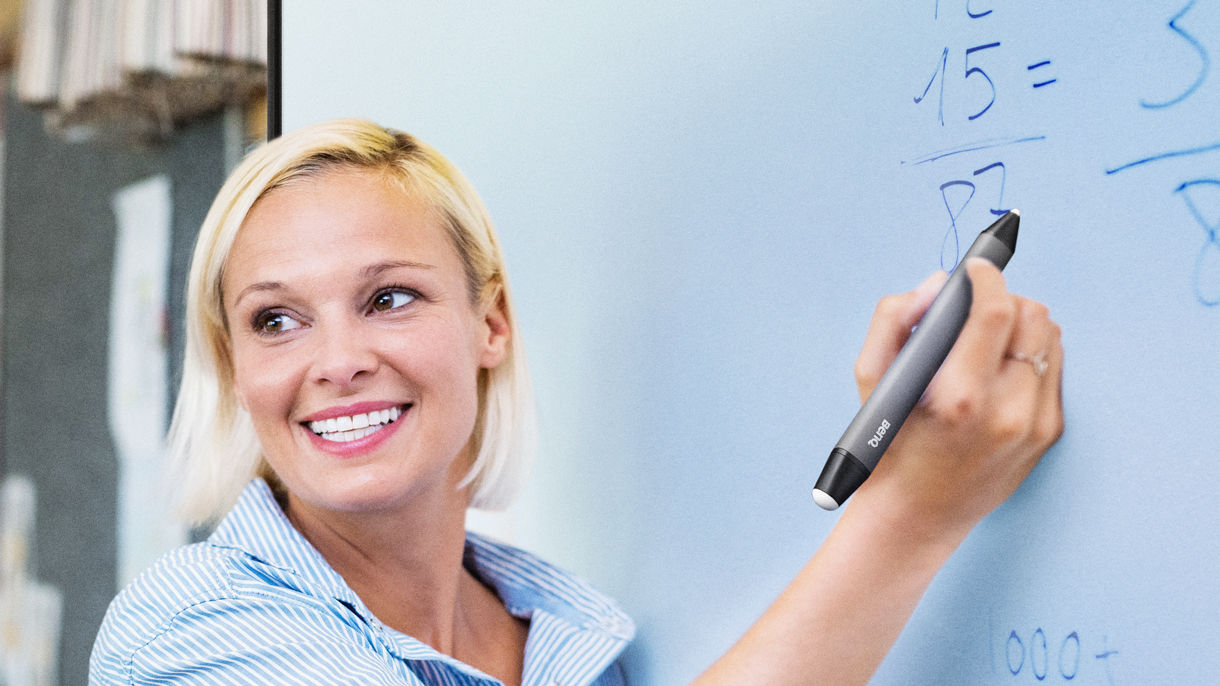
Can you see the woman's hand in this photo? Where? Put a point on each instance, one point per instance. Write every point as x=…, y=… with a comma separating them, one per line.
x=985, y=420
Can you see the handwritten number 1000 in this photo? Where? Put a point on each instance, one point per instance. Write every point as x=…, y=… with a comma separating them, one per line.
x=940, y=72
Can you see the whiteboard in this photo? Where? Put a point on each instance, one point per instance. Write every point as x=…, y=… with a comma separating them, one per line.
x=702, y=202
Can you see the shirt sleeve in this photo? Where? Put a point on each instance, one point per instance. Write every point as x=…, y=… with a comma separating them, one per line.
x=255, y=641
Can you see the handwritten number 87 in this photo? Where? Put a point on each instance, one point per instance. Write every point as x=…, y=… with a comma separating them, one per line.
x=970, y=71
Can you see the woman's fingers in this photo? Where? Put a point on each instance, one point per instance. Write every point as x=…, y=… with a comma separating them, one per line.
x=1012, y=345
x=1019, y=408
x=990, y=413
x=1002, y=375
x=890, y=328
x=988, y=331
x=961, y=392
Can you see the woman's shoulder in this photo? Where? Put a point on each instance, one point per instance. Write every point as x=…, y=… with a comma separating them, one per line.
x=182, y=578
x=202, y=602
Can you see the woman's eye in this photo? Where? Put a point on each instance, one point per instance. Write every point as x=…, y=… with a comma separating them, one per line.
x=389, y=300
x=274, y=322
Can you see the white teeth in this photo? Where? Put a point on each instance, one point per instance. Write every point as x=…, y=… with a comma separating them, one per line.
x=353, y=427
x=346, y=436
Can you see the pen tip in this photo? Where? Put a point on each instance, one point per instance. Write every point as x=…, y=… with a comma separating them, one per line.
x=824, y=500
x=1015, y=211
x=1005, y=228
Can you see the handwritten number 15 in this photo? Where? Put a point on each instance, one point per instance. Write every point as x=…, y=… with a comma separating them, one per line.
x=970, y=71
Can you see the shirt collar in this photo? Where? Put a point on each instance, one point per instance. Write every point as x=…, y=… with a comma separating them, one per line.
x=526, y=584
x=575, y=633
x=257, y=527
x=559, y=605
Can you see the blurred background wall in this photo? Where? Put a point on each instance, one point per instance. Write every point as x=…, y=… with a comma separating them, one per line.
x=119, y=120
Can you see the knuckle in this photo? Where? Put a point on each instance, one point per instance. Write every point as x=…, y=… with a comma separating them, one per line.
x=959, y=408
x=1033, y=311
x=889, y=307
x=997, y=313
x=1009, y=427
x=1056, y=333
x=1048, y=432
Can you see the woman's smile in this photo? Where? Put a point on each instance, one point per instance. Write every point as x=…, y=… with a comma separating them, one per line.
x=351, y=427
x=355, y=430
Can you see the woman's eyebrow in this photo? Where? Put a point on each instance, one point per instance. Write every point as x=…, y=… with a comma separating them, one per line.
x=374, y=270
x=261, y=286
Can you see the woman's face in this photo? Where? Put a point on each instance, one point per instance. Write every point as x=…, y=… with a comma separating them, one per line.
x=355, y=346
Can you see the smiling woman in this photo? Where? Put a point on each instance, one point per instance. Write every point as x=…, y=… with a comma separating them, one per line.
x=354, y=382
x=345, y=392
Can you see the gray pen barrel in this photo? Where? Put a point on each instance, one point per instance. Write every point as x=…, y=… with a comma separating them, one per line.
x=903, y=384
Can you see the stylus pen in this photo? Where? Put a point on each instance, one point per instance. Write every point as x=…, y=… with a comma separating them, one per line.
x=881, y=416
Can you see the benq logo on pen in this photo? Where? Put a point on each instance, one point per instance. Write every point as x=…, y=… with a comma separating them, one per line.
x=875, y=441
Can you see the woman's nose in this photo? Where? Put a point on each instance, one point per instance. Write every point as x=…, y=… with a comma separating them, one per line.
x=345, y=354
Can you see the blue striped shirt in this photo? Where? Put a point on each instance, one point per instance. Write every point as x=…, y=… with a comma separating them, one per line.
x=257, y=604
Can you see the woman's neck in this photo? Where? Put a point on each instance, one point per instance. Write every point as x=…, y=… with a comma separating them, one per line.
x=406, y=567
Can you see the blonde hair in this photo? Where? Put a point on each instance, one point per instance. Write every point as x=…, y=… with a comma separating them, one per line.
x=212, y=446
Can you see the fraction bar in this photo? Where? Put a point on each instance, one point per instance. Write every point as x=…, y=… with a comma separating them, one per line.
x=970, y=147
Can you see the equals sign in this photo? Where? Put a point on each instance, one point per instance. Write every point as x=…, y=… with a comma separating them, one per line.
x=1039, y=65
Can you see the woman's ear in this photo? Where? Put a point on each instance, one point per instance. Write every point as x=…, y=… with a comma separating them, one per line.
x=494, y=346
